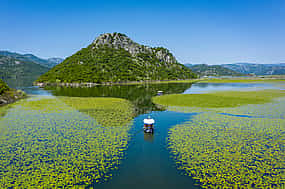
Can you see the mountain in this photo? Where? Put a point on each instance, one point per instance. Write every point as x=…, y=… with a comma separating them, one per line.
x=51, y=62
x=54, y=61
x=211, y=70
x=113, y=57
x=18, y=73
x=257, y=69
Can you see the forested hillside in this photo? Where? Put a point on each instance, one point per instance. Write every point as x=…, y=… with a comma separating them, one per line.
x=212, y=70
x=116, y=58
x=18, y=73
x=257, y=69
x=50, y=62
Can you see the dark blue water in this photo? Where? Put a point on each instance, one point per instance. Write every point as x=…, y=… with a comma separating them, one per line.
x=148, y=162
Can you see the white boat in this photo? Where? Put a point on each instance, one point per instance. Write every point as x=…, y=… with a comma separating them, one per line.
x=148, y=125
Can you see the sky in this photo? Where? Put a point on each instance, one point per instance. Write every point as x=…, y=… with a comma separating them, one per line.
x=195, y=31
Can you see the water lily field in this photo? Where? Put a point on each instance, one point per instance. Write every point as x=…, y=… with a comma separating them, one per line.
x=93, y=138
x=47, y=142
x=236, y=141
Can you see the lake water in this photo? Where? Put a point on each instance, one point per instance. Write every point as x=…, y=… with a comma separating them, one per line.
x=147, y=162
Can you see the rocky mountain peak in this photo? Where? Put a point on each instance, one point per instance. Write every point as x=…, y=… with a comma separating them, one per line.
x=116, y=39
x=119, y=40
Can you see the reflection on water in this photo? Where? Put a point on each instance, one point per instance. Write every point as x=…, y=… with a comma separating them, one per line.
x=35, y=90
x=149, y=137
x=139, y=95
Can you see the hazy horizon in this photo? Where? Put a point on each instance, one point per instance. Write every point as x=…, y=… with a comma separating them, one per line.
x=196, y=32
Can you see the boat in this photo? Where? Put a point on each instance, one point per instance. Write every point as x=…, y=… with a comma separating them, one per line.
x=148, y=125
x=159, y=93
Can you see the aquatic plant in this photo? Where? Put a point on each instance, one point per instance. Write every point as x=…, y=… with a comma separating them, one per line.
x=106, y=111
x=274, y=109
x=232, y=150
x=219, y=99
x=223, y=151
x=45, y=143
x=230, y=144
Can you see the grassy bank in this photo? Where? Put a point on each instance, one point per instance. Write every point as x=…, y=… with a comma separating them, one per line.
x=219, y=99
x=116, y=83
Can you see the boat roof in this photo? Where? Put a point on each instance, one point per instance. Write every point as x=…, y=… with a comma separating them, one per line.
x=148, y=121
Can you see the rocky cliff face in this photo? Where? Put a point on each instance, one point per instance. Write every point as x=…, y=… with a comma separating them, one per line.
x=118, y=40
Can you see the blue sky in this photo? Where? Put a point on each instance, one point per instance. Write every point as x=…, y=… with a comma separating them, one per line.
x=196, y=31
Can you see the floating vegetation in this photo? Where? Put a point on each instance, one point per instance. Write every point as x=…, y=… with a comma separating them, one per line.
x=44, y=104
x=242, y=148
x=219, y=99
x=3, y=110
x=106, y=111
x=45, y=143
x=223, y=151
x=275, y=109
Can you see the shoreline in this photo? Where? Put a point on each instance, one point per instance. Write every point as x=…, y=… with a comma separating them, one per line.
x=11, y=96
x=42, y=84
x=200, y=80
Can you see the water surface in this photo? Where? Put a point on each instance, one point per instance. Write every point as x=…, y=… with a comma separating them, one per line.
x=147, y=162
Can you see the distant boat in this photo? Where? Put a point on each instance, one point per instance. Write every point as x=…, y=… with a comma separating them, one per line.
x=159, y=93
x=148, y=125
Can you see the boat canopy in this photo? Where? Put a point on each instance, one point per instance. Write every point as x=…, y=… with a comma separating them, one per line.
x=148, y=121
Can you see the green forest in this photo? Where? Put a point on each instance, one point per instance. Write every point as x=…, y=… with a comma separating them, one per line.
x=106, y=64
x=3, y=87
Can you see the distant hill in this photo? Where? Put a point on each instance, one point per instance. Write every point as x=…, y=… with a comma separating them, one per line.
x=18, y=73
x=257, y=69
x=212, y=70
x=113, y=57
x=51, y=62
